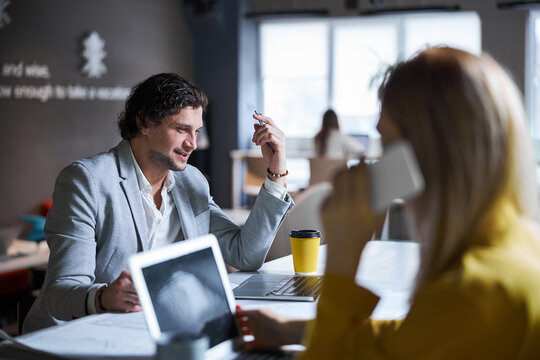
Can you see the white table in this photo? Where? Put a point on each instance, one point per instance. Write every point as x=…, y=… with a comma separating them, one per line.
x=387, y=268
x=24, y=254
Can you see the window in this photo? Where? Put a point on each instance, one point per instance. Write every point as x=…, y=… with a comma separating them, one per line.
x=533, y=69
x=294, y=73
x=308, y=66
x=461, y=31
x=361, y=50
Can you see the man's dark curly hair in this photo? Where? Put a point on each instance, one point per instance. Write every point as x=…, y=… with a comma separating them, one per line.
x=155, y=98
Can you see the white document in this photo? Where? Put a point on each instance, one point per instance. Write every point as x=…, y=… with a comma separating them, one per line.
x=103, y=336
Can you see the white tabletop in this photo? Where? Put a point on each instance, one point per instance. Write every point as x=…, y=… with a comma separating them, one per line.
x=24, y=254
x=387, y=268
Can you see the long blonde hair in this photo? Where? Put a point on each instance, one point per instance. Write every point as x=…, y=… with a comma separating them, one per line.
x=464, y=117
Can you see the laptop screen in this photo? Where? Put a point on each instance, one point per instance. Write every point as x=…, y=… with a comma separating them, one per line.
x=188, y=296
x=184, y=289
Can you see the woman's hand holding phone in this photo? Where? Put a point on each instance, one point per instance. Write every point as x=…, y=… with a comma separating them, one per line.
x=348, y=220
x=361, y=195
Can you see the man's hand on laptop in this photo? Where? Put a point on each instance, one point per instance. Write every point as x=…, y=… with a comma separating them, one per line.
x=119, y=296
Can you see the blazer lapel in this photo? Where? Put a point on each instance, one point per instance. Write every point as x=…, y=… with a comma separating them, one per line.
x=185, y=211
x=131, y=189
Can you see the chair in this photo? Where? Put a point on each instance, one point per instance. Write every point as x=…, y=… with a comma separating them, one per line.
x=323, y=169
x=398, y=228
x=395, y=225
x=304, y=215
x=23, y=307
x=14, y=286
x=254, y=176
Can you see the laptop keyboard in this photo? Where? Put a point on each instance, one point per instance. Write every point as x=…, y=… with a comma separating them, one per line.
x=298, y=285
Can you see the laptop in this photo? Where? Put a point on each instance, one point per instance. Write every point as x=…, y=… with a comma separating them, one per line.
x=184, y=288
x=280, y=287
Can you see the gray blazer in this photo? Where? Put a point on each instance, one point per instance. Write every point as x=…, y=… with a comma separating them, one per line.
x=97, y=221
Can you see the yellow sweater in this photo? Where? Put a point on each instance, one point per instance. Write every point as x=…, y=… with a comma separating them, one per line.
x=487, y=306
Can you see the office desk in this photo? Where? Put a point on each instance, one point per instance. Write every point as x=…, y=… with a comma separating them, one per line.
x=387, y=268
x=24, y=254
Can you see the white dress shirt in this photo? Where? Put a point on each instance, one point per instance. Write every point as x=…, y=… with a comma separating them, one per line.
x=163, y=224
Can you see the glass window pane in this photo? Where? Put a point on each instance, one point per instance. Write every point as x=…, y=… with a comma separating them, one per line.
x=294, y=49
x=295, y=64
x=294, y=74
x=461, y=31
x=362, y=50
x=535, y=103
x=296, y=104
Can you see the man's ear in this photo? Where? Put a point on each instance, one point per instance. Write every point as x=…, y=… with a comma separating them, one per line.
x=143, y=127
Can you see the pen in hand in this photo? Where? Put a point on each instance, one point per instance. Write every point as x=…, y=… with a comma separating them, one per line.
x=262, y=124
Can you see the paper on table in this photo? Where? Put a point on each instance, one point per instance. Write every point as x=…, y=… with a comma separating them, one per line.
x=97, y=336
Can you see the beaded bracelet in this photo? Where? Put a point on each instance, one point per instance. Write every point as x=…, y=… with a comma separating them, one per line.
x=277, y=175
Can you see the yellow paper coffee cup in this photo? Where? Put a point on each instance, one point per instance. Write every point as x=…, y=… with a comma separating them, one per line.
x=305, y=250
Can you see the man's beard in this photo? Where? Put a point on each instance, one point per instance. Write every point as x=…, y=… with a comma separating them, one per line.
x=163, y=161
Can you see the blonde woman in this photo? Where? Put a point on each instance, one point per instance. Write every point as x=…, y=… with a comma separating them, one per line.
x=477, y=295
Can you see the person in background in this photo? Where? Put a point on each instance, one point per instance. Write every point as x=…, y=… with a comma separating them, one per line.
x=477, y=294
x=332, y=143
x=141, y=195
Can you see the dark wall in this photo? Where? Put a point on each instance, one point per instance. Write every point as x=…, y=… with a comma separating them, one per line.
x=38, y=138
x=216, y=71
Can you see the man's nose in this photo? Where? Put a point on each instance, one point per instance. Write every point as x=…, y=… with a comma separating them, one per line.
x=191, y=140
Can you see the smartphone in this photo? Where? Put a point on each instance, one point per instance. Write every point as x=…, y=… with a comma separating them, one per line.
x=396, y=175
